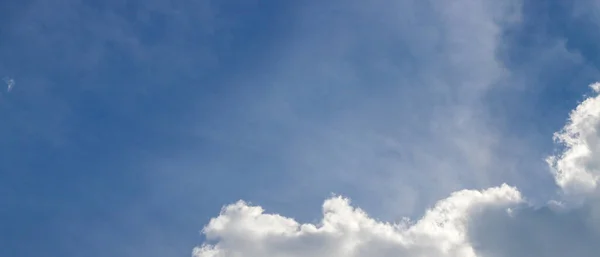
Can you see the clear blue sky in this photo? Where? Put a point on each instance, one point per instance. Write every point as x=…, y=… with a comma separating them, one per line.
x=131, y=123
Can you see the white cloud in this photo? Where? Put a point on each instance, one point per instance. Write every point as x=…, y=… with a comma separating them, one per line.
x=576, y=170
x=243, y=230
x=491, y=223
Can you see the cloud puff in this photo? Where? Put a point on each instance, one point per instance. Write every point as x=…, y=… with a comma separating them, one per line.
x=576, y=170
x=243, y=230
x=494, y=222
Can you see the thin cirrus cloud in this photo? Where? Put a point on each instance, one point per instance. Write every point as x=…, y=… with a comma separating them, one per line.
x=10, y=83
x=494, y=222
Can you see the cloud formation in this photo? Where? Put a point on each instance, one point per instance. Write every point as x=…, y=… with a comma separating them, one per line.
x=576, y=170
x=491, y=223
x=243, y=230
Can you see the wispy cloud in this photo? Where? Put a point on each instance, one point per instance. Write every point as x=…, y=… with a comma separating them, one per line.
x=10, y=83
x=357, y=83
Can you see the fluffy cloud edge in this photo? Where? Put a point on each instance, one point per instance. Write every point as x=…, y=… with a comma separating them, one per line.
x=444, y=230
x=576, y=168
x=245, y=230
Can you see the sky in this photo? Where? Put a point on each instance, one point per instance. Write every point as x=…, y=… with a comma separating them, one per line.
x=299, y=128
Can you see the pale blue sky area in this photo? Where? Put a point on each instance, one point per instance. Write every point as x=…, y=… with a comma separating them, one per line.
x=132, y=122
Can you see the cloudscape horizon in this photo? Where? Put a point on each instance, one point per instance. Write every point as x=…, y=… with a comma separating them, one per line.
x=496, y=221
x=236, y=128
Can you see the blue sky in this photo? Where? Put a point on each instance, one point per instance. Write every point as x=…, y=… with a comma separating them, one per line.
x=132, y=123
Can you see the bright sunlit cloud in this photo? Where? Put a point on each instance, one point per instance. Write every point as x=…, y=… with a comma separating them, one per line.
x=469, y=223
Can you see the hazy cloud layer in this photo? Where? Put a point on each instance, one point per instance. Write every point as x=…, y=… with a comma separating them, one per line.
x=375, y=99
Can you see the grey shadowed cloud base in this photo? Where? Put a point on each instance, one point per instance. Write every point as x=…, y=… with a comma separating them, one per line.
x=493, y=222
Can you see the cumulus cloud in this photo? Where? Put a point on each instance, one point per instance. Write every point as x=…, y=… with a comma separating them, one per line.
x=576, y=170
x=491, y=223
x=243, y=230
